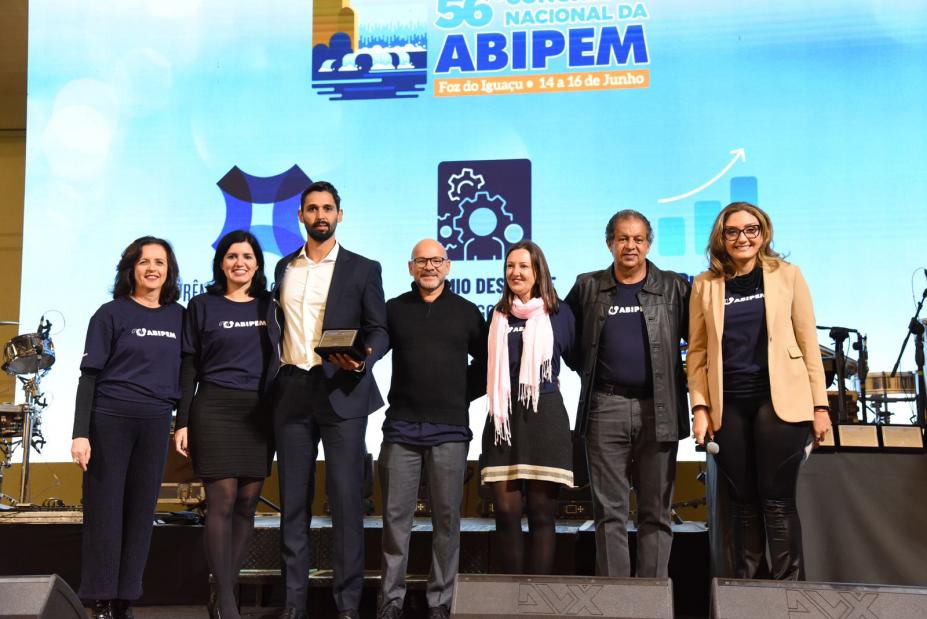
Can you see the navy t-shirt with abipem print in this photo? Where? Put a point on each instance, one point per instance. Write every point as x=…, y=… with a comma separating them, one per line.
x=744, y=346
x=624, y=351
x=229, y=339
x=136, y=350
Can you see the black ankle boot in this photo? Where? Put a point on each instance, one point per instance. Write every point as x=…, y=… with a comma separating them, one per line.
x=122, y=610
x=783, y=532
x=748, y=540
x=103, y=609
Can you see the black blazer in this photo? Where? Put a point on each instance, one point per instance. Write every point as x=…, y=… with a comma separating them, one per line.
x=355, y=301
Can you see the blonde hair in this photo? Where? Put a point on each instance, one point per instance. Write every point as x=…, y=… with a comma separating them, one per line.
x=719, y=262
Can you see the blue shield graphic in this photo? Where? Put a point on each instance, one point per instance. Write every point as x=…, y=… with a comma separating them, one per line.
x=242, y=192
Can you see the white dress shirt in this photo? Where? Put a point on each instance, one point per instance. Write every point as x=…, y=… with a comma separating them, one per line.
x=304, y=296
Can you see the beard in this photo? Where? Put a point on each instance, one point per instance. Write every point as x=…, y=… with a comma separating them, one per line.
x=430, y=287
x=320, y=235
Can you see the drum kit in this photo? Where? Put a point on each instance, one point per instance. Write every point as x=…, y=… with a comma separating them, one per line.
x=875, y=391
x=28, y=357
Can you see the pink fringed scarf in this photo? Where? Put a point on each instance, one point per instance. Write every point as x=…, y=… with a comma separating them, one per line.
x=536, y=354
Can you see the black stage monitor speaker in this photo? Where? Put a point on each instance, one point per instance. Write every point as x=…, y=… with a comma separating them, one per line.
x=772, y=599
x=38, y=597
x=489, y=596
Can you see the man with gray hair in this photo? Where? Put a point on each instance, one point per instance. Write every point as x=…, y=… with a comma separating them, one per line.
x=630, y=318
x=439, y=365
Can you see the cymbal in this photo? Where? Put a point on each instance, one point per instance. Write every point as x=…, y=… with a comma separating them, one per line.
x=8, y=322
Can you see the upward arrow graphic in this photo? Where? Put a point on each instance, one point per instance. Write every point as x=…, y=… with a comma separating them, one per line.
x=739, y=153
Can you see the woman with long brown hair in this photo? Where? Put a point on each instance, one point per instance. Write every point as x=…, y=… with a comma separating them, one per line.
x=527, y=449
x=754, y=357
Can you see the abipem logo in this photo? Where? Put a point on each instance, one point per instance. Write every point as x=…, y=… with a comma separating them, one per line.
x=492, y=47
x=484, y=207
x=143, y=332
x=369, y=49
x=242, y=324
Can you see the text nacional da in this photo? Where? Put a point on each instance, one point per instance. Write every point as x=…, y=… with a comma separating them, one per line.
x=530, y=40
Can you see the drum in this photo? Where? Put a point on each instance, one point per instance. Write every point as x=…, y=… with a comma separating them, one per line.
x=27, y=354
x=850, y=400
x=11, y=420
x=883, y=383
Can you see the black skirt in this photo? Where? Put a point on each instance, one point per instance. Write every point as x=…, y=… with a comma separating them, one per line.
x=230, y=433
x=541, y=449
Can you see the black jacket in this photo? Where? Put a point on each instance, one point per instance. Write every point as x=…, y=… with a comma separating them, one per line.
x=664, y=302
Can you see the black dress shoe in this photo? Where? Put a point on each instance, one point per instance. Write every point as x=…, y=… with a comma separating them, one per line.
x=439, y=612
x=348, y=614
x=122, y=610
x=390, y=611
x=103, y=609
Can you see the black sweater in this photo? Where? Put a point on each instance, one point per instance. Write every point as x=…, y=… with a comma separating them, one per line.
x=433, y=379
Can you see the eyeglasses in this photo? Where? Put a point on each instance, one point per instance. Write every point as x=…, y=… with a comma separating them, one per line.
x=435, y=261
x=732, y=234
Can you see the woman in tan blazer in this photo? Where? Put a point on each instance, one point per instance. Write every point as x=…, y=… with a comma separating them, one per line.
x=754, y=362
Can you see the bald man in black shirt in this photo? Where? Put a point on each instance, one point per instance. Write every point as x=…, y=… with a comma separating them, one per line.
x=433, y=333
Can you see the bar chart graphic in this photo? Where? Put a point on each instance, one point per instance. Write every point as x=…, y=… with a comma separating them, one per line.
x=681, y=232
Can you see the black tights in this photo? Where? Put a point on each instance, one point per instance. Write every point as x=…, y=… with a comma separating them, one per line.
x=230, y=506
x=542, y=510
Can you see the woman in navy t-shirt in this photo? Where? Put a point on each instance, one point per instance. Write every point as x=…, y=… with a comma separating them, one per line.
x=129, y=385
x=229, y=353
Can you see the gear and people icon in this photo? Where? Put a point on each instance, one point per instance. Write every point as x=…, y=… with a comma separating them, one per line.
x=479, y=227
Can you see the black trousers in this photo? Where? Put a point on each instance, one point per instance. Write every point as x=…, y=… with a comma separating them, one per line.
x=120, y=493
x=302, y=417
x=760, y=454
x=760, y=458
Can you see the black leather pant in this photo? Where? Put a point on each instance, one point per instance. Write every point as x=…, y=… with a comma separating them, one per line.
x=760, y=456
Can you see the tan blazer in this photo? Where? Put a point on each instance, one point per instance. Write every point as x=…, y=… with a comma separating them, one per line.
x=796, y=373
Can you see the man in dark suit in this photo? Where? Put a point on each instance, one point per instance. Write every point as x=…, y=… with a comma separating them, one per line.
x=319, y=287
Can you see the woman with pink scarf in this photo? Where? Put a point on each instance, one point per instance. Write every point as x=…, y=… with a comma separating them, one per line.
x=527, y=451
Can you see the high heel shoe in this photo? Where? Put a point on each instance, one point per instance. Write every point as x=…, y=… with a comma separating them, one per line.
x=213, y=606
x=103, y=609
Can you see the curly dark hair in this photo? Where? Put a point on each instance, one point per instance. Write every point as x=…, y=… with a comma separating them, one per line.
x=124, y=284
x=220, y=284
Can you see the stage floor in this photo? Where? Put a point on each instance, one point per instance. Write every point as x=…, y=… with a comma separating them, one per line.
x=199, y=612
x=177, y=574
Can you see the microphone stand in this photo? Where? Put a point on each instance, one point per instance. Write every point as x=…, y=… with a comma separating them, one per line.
x=839, y=335
x=916, y=329
x=862, y=371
